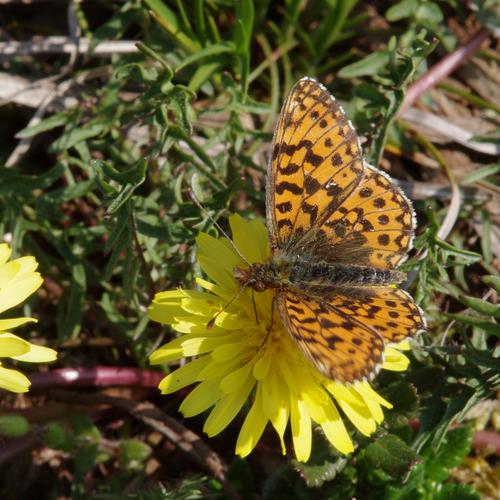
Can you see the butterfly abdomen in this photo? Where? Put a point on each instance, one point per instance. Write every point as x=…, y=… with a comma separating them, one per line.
x=304, y=274
x=301, y=274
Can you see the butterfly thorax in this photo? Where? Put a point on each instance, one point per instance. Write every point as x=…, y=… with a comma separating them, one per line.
x=299, y=273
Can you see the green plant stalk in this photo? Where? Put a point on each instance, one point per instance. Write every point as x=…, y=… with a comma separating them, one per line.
x=468, y=96
x=381, y=138
x=146, y=272
x=177, y=36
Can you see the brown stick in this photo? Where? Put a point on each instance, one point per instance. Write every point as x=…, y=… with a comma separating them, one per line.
x=442, y=69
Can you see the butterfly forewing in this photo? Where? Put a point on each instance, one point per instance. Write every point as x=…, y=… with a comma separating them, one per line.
x=316, y=162
x=318, y=183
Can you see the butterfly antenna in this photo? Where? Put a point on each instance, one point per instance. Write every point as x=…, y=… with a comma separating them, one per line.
x=197, y=202
x=211, y=323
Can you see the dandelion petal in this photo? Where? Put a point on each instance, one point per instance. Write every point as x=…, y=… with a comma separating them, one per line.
x=301, y=430
x=252, y=427
x=227, y=408
x=13, y=381
x=202, y=397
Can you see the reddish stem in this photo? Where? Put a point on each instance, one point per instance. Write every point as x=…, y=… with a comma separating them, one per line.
x=442, y=69
x=486, y=440
x=99, y=375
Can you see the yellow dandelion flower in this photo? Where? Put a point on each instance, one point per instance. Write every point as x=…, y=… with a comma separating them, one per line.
x=242, y=359
x=18, y=280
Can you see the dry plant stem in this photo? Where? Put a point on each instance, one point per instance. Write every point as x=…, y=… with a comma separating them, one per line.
x=440, y=191
x=90, y=342
x=66, y=45
x=22, y=148
x=449, y=130
x=63, y=87
x=182, y=437
x=55, y=410
x=24, y=144
x=97, y=376
x=442, y=69
x=45, y=85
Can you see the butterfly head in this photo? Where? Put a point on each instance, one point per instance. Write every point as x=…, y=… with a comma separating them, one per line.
x=259, y=277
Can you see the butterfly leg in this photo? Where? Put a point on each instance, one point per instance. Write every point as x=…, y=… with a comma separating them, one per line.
x=255, y=308
x=270, y=327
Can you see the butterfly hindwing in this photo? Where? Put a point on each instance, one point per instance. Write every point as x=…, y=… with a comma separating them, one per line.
x=389, y=311
x=374, y=226
x=339, y=347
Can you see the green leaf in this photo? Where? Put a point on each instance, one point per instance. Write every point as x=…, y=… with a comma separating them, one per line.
x=84, y=428
x=241, y=477
x=481, y=306
x=85, y=458
x=70, y=320
x=144, y=74
x=456, y=491
x=199, y=19
x=404, y=397
x=368, y=66
x=493, y=281
x=57, y=437
x=209, y=53
x=121, y=242
x=133, y=453
x=245, y=16
x=401, y=10
x=391, y=455
x=437, y=416
x=429, y=13
x=483, y=357
x=13, y=182
x=114, y=27
x=455, y=447
x=316, y=475
x=169, y=72
x=466, y=257
x=13, y=426
x=76, y=135
x=49, y=123
x=412, y=488
x=489, y=327
x=479, y=174
x=332, y=23
x=203, y=74
x=170, y=23
x=323, y=466
x=157, y=231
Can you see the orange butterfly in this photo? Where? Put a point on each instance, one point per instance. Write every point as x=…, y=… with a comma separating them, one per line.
x=338, y=227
